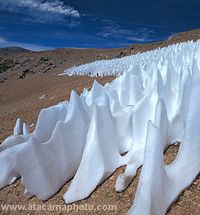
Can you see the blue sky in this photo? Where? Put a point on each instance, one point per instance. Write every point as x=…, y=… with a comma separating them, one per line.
x=45, y=24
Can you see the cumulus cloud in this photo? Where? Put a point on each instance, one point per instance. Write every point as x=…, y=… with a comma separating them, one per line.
x=40, y=10
x=34, y=47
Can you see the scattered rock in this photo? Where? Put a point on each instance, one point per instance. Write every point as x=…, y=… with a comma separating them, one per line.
x=43, y=96
x=33, y=124
x=6, y=64
x=121, y=54
x=43, y=58
x=24, y=73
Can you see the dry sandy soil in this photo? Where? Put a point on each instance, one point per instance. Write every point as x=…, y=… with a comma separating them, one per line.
x=26, y=76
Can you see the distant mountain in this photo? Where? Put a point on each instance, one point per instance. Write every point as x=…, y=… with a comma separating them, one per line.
x=18, y=62
x=12, y=50
x=140, y=47
x=173, y=39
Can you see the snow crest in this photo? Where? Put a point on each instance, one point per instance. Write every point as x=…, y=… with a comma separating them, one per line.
x=130, y=121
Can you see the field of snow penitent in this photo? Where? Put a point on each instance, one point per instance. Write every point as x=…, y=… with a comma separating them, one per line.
x=153, y=104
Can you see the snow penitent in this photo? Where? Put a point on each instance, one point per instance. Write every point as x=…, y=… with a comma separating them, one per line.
x=151, y=105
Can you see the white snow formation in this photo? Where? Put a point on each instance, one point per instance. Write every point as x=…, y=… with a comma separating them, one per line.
x=130, y=121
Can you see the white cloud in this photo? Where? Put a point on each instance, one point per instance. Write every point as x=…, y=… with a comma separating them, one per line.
x=39, y=10
x=113, y=30
x=2, y=40
x=138, y=39
x=34, y=47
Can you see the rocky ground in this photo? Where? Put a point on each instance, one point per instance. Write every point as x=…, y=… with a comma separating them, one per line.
x=29, y=81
